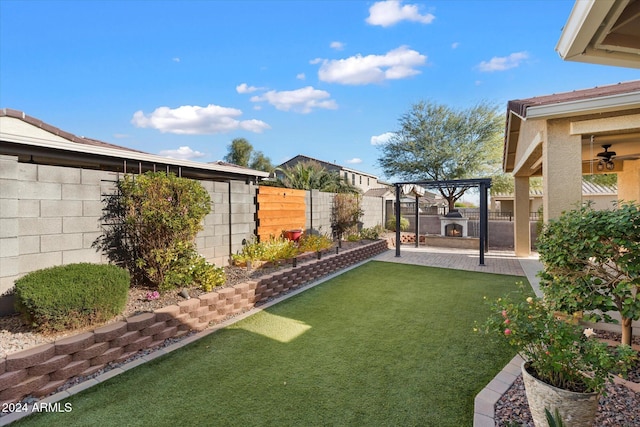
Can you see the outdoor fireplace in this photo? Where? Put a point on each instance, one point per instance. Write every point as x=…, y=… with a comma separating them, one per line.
x=453, y=230
x=453, y=225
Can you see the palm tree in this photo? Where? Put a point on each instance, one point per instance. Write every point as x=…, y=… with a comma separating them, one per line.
x=311, y=175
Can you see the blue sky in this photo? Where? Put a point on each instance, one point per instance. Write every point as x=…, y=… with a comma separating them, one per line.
x=327, y=79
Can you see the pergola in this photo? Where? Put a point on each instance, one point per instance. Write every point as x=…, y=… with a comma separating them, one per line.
x=482, y=183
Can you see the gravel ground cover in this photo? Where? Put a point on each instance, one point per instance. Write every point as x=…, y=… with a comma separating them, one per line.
x=619, y=407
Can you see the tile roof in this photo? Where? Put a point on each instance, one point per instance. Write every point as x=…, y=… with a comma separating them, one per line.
x=519, y=106
x=8, y=112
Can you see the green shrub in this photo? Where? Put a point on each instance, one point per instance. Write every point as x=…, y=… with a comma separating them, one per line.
x=72, y=296
x=373, y=233
x=314, y=243
x=273, y=249
x=150, y=225
x=391, y=223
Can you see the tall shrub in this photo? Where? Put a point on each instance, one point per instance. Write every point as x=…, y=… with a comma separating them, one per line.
x=150, y=227
x=346, y=212
x=591, y=263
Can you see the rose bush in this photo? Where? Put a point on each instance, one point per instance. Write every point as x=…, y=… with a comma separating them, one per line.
x=559, y=351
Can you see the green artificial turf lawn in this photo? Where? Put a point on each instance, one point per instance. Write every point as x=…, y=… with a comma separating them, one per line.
x=384, y=344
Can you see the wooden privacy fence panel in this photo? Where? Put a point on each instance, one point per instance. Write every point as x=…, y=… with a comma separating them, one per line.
x=279, y=209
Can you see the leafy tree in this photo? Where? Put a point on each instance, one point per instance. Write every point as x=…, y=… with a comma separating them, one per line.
x=241, y=153
x=503, y=183
x=606, y=179
x=438, y=143
x=312, y=175
x=591, y=263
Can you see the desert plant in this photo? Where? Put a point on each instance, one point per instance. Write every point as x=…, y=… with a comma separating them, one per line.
x=591, y=263
x=273, y=249
x=346, y=212
x=72, y=296
x=150, y=225
x=314, y=242
x=372, y=233
x=391, y=223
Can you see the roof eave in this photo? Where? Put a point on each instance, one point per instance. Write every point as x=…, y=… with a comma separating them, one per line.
x=624, y=101
x=127, y=155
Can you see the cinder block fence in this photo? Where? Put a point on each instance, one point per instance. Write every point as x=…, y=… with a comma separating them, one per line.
x=41, y=370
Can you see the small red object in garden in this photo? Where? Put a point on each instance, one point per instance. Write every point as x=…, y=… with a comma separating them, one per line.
x=293, y=235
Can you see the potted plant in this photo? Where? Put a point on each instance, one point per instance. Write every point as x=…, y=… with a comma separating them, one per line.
x=565, y=366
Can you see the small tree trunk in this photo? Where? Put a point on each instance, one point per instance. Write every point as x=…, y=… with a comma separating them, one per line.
x=626, y=331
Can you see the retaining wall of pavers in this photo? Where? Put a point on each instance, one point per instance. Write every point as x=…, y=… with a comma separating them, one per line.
x=39, y=371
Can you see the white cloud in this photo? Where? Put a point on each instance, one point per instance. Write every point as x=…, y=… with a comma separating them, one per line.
x=381, y=139
x=455, y=45
x=301, y=76
x=182, y=153
x=196, y=120
x=337, y=45
x=388, y=13
x=245, y=88
x=502, y=63
x=176, y=59
x=302, y=100
x=354, y=161
x=396, y=64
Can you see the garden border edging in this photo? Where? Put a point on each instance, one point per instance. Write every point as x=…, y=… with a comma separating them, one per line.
x=41, y=370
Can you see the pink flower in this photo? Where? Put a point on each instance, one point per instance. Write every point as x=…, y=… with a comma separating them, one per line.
x=507, y=331
x=504, y=313
x=507, y=321
x=153, y=295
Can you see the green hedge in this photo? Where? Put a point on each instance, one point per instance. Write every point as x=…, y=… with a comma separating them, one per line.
x=72, y=296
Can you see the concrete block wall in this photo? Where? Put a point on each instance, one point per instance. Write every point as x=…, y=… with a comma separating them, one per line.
x=318, y=211
x=50, y=215
x=374, y=208
x=41, y=370
x=500, y=232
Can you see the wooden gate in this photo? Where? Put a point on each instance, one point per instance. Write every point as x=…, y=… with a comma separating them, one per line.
x=279, y=209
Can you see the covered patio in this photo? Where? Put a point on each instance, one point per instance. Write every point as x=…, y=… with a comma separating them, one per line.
x=561, y=137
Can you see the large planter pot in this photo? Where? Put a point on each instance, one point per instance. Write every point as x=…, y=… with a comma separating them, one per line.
x=575, y=409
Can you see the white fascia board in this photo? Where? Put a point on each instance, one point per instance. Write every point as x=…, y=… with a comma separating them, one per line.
x=358, y=172
x=125, y=155
x=582, y=25
x=625, y=101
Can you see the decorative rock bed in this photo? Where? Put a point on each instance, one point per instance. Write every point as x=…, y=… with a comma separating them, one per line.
x=41, y=370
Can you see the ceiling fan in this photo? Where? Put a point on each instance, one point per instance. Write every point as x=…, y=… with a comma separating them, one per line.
x=605, y=159
x=606, y=155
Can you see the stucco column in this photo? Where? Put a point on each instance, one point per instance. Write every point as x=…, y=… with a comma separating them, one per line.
x=629, y=182
x=521, y=233
x=561, y=169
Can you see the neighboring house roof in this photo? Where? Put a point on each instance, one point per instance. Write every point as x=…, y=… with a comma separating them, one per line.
x=588, y=189
x=327, y=165
x=602, y=32
x=379, y=192
x=32, y=139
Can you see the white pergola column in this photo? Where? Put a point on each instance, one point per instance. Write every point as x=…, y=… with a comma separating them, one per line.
x=561, y=169
x=521, y=229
